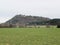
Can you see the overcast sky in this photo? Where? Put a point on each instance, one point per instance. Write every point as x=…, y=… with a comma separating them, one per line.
x=44, y=8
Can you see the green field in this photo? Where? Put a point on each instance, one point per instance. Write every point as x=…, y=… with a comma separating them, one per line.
x=29, y=36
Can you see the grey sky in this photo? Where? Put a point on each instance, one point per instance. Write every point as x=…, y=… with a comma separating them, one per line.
x=45, y=8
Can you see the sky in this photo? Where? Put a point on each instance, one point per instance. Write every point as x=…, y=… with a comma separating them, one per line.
x=44, y=8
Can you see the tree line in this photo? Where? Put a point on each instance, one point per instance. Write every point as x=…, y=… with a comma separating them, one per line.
x=50, y=22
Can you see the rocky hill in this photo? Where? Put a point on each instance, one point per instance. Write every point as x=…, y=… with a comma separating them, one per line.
x=22, y=19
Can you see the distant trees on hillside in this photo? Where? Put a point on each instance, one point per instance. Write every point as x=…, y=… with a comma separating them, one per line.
x=54, y=21
x=38, y=23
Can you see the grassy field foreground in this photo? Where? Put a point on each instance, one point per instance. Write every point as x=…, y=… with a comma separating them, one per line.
x=29, y=36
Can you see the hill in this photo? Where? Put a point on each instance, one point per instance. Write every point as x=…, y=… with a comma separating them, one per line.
x=22, y=19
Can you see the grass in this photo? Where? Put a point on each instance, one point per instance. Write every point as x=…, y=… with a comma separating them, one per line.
x=29, y=36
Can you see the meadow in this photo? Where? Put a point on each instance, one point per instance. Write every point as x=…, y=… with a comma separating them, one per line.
x=29, y=36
